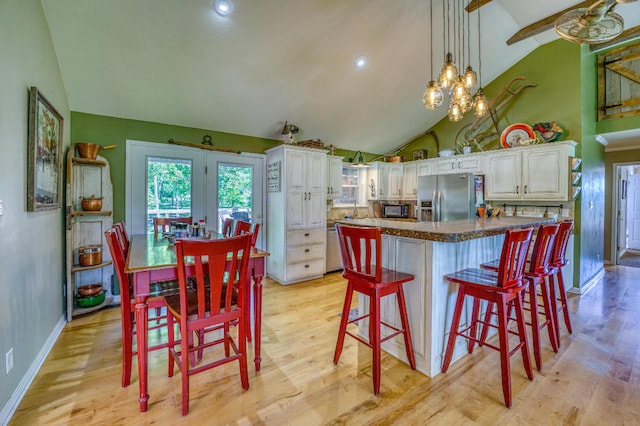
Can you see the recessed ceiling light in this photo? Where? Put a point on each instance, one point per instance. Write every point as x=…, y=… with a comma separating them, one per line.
x=223, y=7
x=360, y=62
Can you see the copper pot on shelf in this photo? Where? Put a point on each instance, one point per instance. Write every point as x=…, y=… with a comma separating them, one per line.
x=92, y=204
x=90, y=255
x=90, y=150
x=89, y=290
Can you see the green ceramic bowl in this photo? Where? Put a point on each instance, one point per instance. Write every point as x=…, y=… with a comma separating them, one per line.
x=89, y=301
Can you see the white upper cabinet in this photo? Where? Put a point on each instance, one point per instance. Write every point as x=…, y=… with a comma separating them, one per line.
x=410, y=180
x=395, y=181
x=460, y=164
x=377, y=181
x=334, y=177
x=538, y=172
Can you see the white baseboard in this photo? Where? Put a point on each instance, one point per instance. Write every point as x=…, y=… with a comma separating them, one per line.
x=587, y=285
x=12, y=404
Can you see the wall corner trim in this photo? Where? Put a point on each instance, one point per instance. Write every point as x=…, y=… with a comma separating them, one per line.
x=12, y=404
x=588, y=285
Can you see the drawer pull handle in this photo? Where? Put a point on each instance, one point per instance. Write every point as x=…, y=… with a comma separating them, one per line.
x=306, y=266
x=306, y=234
x=306, y=250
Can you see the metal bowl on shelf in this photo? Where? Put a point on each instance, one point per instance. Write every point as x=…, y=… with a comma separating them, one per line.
x=89, y=290
x=92, y=204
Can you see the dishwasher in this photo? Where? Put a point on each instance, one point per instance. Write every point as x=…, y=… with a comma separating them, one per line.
x=333, y=258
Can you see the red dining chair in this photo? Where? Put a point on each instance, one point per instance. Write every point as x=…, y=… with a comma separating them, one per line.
x=127, y=305
x=123, y=238
x=501, y=288
x=537, y=273
x=211, y=307
x=361, y=249
x=228, y=227
x=558, y=261
x=163, y=224
x=243, y=227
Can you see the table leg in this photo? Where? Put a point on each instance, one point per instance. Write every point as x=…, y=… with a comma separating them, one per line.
x=258, y=273
x=142, y=316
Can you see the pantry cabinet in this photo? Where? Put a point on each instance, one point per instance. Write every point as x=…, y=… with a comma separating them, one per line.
x=87, y=254
x=538, y=172
x=296, y=213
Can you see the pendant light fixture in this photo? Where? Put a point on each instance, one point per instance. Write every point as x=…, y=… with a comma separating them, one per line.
x=433, y=95
x=470, y=76
x=480, y=103
x=449, y=71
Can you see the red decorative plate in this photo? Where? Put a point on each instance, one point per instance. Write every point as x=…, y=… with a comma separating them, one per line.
x=516, y=134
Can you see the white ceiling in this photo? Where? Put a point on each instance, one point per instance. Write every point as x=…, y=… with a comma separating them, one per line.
x=178, y=62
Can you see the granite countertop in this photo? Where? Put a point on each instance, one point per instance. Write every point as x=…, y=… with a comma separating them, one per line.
x=451, y=231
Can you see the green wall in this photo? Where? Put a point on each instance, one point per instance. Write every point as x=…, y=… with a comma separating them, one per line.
x=105, y=131
x=115, y=131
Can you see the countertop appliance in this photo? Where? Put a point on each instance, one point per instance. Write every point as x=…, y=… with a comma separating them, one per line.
x=446, y=197
x=333, y=258
x=395, y=210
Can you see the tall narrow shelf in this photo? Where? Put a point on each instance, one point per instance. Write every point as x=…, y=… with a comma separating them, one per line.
x=85, y=178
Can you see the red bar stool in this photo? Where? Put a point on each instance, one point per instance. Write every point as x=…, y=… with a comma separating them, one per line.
x=502, y=288
x=537, y=273
x=361, y=250
x=558, y=261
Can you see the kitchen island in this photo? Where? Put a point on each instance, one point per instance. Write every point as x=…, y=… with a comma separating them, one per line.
x=429, y=250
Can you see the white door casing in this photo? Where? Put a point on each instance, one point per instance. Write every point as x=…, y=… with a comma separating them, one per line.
x=633, y=212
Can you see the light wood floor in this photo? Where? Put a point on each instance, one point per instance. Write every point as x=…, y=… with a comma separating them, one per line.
x=593, y=380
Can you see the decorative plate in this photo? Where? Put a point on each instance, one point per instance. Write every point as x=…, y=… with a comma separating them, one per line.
x=550, y=132
x=517, y=135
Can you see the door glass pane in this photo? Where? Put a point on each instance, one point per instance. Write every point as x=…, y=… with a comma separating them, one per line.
x=234, y=192
x=168, y=188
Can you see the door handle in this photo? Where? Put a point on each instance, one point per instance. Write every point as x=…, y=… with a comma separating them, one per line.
x=525, y=189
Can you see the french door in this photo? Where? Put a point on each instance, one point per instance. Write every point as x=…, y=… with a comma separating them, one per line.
x=177, y=181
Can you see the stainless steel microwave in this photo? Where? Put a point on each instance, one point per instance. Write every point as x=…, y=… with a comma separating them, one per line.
x=395, y=210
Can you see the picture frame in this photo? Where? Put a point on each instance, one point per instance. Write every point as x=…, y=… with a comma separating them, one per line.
x=44, y=156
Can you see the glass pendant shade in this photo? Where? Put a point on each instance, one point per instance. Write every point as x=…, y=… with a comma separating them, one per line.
x=470, y=77
x=466, y=103
x=458, y=89
x=455, y=113
x=449, y=72
x=480, y=104
x=433, y=96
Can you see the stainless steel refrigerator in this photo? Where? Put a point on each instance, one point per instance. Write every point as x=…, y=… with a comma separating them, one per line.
x=446, y=197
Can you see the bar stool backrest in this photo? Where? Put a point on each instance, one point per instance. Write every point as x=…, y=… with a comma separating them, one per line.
x=361, y=249
x=513, y=257
x=560, y=247
x=542, y=249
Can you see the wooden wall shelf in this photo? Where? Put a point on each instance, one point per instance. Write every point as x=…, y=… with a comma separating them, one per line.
x=88, y=162
x=91, y=213
x=78, y=268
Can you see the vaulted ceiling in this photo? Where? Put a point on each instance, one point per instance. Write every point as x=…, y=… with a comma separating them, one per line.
x=178, y=62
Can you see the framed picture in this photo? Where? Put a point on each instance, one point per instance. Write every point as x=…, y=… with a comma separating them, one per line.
x=44, y=169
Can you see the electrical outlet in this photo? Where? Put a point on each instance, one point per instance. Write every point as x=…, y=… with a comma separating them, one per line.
x=565, y=212
x=1, y=207
x=9, y=360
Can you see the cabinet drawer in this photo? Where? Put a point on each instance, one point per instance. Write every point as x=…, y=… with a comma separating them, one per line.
x=305, y=253
x=305, y=269
x=306, y=236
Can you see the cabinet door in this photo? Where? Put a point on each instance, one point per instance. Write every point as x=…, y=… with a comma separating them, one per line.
x=334, y=177
x=316, y=174
x=316, y=209
x=473, y=164
x=545, y=174
x=425, y=168
x=410, y=181
x=503, y=177
x=446, y=165
x=395, y=182
x=296, y=174
x=383, y=181
x=296, y=215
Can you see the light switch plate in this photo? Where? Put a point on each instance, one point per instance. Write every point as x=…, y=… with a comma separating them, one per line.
x=1, y=207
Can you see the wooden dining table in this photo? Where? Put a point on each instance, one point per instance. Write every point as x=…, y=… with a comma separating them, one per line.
x=152, y=259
